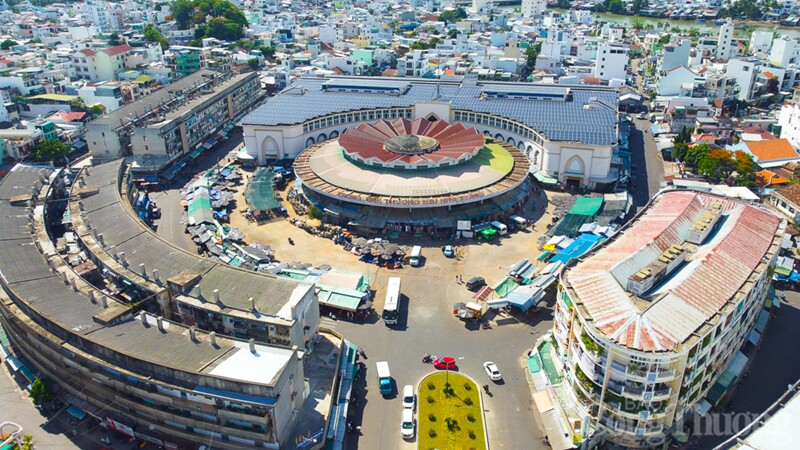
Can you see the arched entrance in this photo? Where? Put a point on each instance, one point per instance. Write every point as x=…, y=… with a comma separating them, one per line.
x=309, y=142
x=334, y=135
x=512, y=142
x=499, y=137
x=322, y=137
x=574, y=171
x=269, y=148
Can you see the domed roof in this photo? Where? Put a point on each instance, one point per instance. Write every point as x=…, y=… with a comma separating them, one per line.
x=406, y=143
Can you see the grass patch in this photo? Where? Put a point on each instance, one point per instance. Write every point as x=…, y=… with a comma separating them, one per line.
x=461, y=426
x=496, y=157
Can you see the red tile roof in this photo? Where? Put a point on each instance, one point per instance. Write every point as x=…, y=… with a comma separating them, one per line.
x=791, y=193
x=772, y=150
x=87, y=52
x=111, y=51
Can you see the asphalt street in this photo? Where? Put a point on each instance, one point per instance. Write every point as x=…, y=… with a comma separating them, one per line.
x=427, y=324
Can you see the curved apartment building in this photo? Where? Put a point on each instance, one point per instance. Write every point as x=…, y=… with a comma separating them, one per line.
x=154, y=342
x=648, y=323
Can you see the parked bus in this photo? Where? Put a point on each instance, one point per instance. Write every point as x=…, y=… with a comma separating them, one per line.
x=392, y=305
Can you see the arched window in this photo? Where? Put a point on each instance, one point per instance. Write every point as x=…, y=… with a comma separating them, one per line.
x=309, y=142
x=322, y=137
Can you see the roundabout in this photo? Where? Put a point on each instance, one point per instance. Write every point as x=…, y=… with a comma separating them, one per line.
x=450, y=413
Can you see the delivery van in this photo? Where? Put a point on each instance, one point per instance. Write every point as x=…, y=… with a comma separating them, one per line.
x=502, y=228
x=416, y=256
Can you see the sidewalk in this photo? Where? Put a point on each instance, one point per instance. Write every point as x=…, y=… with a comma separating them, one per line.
x=548, y=420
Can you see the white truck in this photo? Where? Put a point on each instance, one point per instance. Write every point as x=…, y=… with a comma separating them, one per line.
x=384, y=377
x=416, y=255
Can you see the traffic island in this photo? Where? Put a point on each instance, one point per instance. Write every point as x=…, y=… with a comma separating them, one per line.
x=450, y=413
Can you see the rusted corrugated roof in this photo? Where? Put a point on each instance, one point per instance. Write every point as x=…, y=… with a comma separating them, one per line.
x=702, y=287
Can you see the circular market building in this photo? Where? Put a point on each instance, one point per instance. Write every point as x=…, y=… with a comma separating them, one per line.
x=412, y=176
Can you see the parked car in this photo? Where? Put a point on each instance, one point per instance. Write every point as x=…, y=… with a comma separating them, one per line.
x=407, y=428
x=492, y=371
x=445, y=363
x=449, y=251
x=475, y=283
x=409, y=400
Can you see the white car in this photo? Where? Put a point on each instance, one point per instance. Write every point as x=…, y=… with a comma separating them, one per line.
x=492, y=371
x=407, y=426
x=409, y=399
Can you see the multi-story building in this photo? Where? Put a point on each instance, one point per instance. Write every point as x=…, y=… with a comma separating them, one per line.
x=725, y=41
x=533, y=8
x=784, y=51
x=611, y=62
x=314, y=109
x=173, y=121
x=744, y=71
x=675, y=55
x=108, y=94
x=100, y=65
x=140, y=373
x=650, y=324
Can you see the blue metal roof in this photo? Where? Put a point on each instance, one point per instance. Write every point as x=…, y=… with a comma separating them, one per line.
x=558, y=120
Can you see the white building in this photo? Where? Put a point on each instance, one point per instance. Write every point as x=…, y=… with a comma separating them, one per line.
x=645, y=328
x=611, y=62
x=675, y=55
x=784, y=51
x=672, y=82
x=744, y=70
x=725, y=41
x=760, y=42
x=101, y=65
x=577, y=150
x=533, y=8
x=789, y=121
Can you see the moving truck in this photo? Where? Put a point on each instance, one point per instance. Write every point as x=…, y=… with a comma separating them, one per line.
x=384, y=377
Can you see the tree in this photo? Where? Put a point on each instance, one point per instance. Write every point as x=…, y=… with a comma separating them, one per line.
x=772, y=86
x=679, y=151
x=564, y=4
x=696, y=153
x=97, y=110
x=716, y=164
x=40, y=394
x=50, y=150
x=665, y=39
x=7, y=44
x=213, y=18
x=637, y=24
x=617, y=7
x=114, y=40
x=453, y=15
x=253, y=63
x=152, y=34
x=684, y=136
x=314, y=213
x=531, y=54
x=638, y=5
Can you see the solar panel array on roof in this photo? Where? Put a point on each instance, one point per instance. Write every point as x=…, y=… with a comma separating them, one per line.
x=557, y=120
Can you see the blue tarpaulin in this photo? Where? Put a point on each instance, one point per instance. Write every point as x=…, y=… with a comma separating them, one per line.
x=578, y=247
x=76, y=412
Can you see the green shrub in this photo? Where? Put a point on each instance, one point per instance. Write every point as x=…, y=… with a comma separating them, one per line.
x=468, y=401
x=467, y=386
x=432, y=417
x=471, y=417
x=431, y=386
x=432, y=433
x=430, y=399
x=472, y=435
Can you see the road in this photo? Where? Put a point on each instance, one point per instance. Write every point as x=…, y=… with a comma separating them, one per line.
x=645, y=157
x=428, y=325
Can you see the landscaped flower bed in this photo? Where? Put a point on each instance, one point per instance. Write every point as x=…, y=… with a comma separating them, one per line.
x=450, y=415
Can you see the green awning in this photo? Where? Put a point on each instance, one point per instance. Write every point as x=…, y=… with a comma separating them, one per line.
x=196, y=152
x=543, y=255
x=544, y=179
x=783, y=271
x=587, y=206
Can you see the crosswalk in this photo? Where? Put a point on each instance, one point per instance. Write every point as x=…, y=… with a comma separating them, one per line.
x=327, y=322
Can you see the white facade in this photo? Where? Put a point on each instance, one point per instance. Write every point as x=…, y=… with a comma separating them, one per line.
x=676, y=55
x=745, y=73
x=670, y=82
x=725, y=41
x=784, y=51
x=789, y=120
x=93, y=95
x=611, y=62
x=533, y=8
x=760, y=42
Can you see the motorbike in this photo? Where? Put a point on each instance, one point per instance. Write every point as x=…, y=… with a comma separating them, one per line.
x=291, y=242
x=427, y=358
x=486, y=326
